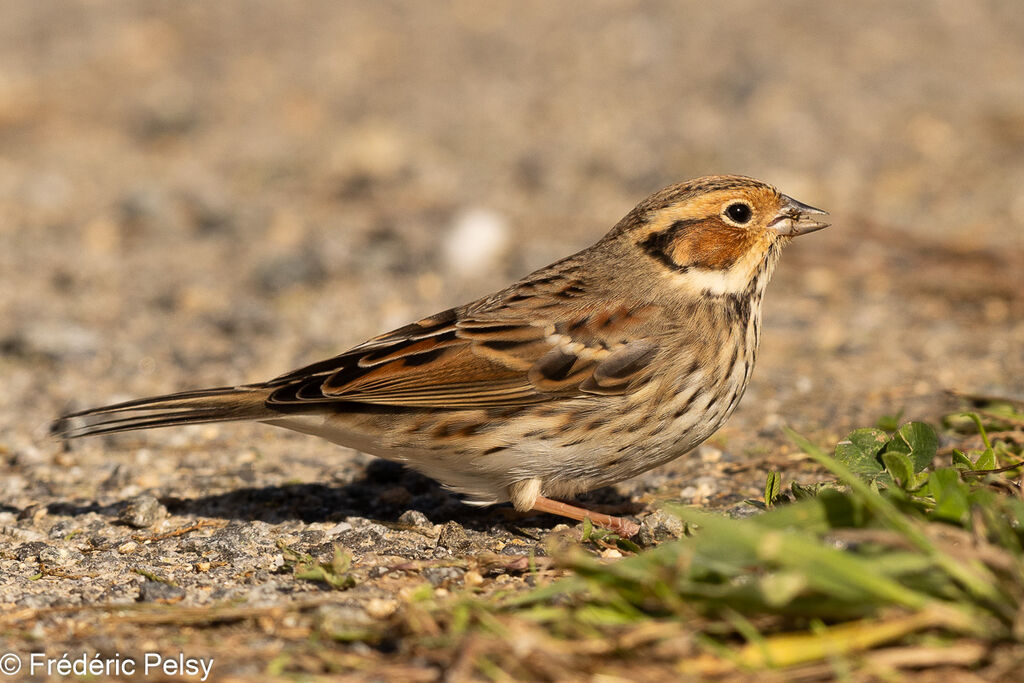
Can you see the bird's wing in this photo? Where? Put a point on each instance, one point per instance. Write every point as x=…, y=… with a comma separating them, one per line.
x=493, y=356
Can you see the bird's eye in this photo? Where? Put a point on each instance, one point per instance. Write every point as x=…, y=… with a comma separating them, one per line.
x=739, y=213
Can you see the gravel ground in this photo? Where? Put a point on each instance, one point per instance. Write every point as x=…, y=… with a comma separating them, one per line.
x=213, y=193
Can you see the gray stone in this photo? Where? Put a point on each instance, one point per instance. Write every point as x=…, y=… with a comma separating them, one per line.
x=453, y=537
x=660, y=526
x=414, y=518
x=142, y=512
x=61, y=557
x=157, y=591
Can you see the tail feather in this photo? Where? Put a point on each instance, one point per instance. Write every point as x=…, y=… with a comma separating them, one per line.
x=223, y=404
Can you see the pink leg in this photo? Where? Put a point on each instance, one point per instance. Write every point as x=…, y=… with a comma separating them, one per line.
x=623, y=527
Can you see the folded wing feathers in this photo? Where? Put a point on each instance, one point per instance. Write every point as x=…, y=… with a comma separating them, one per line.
x=427, y=364
x=617, y=373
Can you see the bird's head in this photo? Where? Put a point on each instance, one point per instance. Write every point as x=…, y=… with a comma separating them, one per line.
x=718, y=233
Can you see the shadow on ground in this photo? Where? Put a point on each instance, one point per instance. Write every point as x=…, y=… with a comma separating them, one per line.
x=383, y=494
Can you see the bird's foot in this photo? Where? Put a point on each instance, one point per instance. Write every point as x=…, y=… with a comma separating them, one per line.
x=621, y=526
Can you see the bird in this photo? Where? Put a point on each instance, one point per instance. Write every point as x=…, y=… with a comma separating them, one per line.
x=603, y=365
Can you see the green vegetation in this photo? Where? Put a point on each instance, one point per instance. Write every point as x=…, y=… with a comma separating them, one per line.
x=335, y=573
x=911, y=557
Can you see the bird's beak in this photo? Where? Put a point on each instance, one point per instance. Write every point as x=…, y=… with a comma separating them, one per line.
x=796, y=218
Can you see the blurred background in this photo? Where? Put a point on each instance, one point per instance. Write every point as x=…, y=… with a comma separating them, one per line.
x=213, y=193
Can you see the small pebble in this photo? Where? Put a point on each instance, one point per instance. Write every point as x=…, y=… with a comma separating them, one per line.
x=26, y=552
x=157, y=591
x=414, y=518
x=339, y=528
x=453, y=537
x=142, y=512
x=379, y=608
x=61, y=557
x=440, y=577
x=660, y=526
x=61, y=529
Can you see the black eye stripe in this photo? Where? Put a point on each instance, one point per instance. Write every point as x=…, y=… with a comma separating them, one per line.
x=659, y=244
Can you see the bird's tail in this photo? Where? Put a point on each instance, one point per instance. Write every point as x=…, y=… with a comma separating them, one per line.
x=222, y=404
